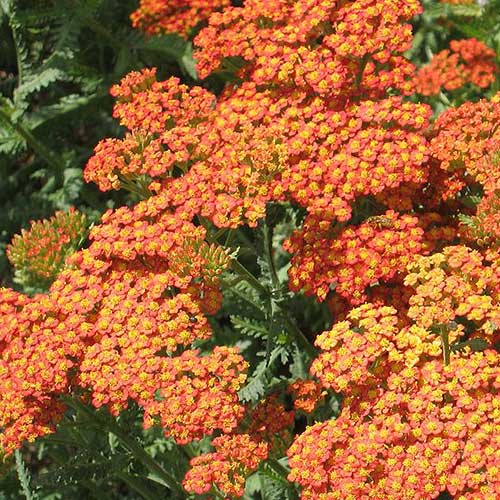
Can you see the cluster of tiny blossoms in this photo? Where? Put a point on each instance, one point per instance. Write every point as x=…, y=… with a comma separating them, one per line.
x=466, y=61
x=31, y=368
x=455, y=285
x=297, y=129
x=119, y=321
x=307, y=394
x=165, y=121
x=484, y=228
x=235, y=457
x=265, y=432
x=352, y=258
x=38, y=254
x=466, y=141
x=313, y=43
x=178, y=16
x=316, y=122
x=411, y=426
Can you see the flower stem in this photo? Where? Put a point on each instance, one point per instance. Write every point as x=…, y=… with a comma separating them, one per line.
x=39, y=148
x=137, y=450
x=445, y=342
x=290, y=325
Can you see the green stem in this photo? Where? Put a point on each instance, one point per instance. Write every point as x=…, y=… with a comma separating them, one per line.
x=362, y=66
x=269, y=257
x=219, y=233
x=134, y=188
x=217, y=493
x=238, y=268
x=445, y=341
x=137, y=485
x=292, y=328
x=229, y=238
x=189, y=451
x=300, y=338
x=278, y=468
x=137, y=450
x=244, y=273
x=150, y=463
x=38, y=147
x=100, y=30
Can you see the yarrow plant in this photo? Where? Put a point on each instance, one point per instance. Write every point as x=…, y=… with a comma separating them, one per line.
x=467, y=61
x=38, y=254
x=314, y=183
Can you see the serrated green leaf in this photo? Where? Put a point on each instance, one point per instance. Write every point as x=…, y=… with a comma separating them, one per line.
x=466, y=10
x=174, y=47
x=65, y=105
x=470, y=201
x=253, y=390
x=260, y=378
x=36, y=82
x=475, y=345
x=250, y=327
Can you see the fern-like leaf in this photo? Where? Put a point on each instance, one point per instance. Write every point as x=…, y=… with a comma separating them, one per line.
x=24, y=477
x=259, y=380
x=38, y=80
x=250, y=327
x=275, y=486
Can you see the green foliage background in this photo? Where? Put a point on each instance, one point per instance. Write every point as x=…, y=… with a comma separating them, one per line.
x=58, y=59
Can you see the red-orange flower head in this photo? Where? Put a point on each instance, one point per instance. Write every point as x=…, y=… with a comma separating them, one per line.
x=422, y=431
x=178, y=16
x=319, y=44
x=352, y=258
x=466, y=141
x=411, y=427
x=165, y=120
x=236, y=456
x=307, y=394
x=468, y=60
x=456, y=284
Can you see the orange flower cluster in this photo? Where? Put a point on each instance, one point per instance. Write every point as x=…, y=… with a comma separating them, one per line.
x=411, y=427
x=466, y=140
x=315, y=43
x=235, y=457
x=352, y=258
x=263, y=433
x=231, y=186
x=414, y=426
x=165, y=121
x=297, y=130
x=271, y=423
x=30, y=369
x=455, y=285
x=355, y=348
x=120, y=321
x=483, y=229
x=468, y=60
x=177, y=16
x=199, y=394
x=38, y=254
x=315, y=123
x=307, y=394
